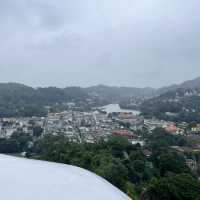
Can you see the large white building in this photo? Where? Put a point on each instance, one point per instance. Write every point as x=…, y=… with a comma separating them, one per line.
x=23, y=179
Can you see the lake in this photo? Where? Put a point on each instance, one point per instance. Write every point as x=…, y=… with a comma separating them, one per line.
x=116, y=108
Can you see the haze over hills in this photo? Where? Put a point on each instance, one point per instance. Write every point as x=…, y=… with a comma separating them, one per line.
x=21, y=100
x=180, y=102
x=195, y=83
x=104, y=90
x=120, y=92
x=55, y=94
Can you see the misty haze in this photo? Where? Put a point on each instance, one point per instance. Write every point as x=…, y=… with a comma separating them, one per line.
x=142, y=43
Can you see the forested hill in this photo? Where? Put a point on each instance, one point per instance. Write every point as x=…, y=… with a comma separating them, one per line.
x=20, y=100
x=182, y=104
x=116, y=93
x=191, y=84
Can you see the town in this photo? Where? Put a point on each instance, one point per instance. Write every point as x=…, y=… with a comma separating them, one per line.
x=92, y=126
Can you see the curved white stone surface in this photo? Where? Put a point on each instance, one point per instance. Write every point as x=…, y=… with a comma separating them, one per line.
x=23, y=179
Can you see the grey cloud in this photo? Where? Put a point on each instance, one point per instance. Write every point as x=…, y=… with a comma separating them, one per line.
x=116, y=42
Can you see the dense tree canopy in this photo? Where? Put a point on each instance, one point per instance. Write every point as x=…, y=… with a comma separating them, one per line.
x=20, y=100
x=179, y=187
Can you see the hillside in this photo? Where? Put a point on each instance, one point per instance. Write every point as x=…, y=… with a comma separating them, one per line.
x=190, y=84
x=116, y=93
x=182, y=104
x=120, y=94
x=20, y=100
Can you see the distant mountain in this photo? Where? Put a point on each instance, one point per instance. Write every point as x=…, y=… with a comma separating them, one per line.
x=182, y=104
x=195, y=83
x=191, y=84
x=20, y=100
x=116, y=93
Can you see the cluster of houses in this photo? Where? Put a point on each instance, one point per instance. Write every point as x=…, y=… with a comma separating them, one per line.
x=182, y=128
x=91, y=125
x=8, y=126
x=76, y=125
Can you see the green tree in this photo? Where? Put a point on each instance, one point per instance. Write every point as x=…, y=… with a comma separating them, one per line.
x=37, y=131
x=179, y=187
x=111, y=169
x=171, y=162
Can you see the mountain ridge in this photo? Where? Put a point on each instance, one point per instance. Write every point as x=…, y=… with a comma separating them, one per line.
x=189, y=84
x=192, y=84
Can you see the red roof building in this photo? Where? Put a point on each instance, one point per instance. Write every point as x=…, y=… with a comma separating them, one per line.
x=174, y=129
x=125, y=133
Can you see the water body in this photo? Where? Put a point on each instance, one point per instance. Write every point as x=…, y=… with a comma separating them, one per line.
x=116, y=108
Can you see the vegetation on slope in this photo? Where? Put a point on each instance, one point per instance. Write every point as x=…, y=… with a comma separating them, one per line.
x=179, y=105
x=17, y=100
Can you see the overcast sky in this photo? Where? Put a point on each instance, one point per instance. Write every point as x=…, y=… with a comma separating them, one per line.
x=87, y=42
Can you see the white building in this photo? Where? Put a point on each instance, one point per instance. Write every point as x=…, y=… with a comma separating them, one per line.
x=23, y=179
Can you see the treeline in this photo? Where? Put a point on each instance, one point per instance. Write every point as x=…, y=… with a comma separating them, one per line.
x=17, y=100
x=154, y=171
